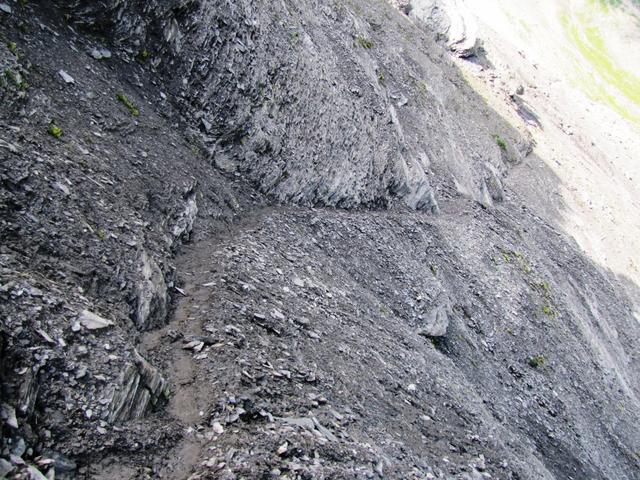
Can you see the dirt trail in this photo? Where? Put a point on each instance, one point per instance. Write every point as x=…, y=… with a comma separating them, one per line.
x=189, y=399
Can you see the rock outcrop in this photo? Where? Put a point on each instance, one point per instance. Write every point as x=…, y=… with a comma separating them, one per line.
x=141, y=387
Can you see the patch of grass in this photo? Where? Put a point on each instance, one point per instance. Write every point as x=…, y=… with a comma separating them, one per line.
x=434, y=269
x=128, y=103
x=537, y=361
x=54, y=130
x=543, y=287
x=101, y=234
x=143, y=55
x=602, y=80
x=501, y=142
x=13, y=48
x=364, y=42
x=549, y=311
x=381, y=79
x=295, y=37
x=16, y=79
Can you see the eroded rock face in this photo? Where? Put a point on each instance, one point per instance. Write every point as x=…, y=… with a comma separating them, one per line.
x=437, y=320
x=152, y=296
x=141, y=387
x=450, y=19
x=325, y=109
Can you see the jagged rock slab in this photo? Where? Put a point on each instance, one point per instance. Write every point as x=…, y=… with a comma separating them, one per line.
x=142, y=387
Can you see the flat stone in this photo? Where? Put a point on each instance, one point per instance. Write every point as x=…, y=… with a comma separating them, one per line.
x=8, y=415
x=100, y=53
x=217, y=428
x=5, y=8
x=92, y=321
x=66, y=77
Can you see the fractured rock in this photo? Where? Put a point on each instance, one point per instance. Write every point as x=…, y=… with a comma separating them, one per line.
x=437, y=319
x=151, y=304
x=184, y=224
x=8, y=415
x=92, y=321
x=141, y=388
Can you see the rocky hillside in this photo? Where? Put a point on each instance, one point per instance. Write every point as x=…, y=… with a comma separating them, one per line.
x=250, y=239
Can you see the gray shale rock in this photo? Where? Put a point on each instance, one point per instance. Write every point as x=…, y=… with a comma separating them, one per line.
x=151, y=296
x=141, y=387
x=92, y=321
x=438, y=319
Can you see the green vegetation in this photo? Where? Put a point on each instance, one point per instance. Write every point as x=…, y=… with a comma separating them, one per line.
x=603, y=81
x=364, y=42
x=543, y=287
x=127, y=103
x=54, y=130
x=142, y=56
x=381, y=78
x=101, y=234
x=537, y=361
x=501, y=142
x=16, y=79
x=13, y=48
x=549, y=311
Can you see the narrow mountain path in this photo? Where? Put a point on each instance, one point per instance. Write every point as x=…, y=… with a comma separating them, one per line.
x=297, y=349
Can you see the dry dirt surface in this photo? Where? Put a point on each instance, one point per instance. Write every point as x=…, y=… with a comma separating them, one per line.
x=250, y=239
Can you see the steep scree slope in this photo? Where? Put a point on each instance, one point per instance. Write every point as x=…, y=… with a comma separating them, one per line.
x=451, y=334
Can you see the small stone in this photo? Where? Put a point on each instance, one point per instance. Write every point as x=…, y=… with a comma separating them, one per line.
x=100, y=53
x=195, y=345
x=5, y=468
x=438, y=319
x=217, y=428
x=298, y=282
x=66, y=77
x=8, y=415
x=62, y=187
x=19, y=448
x=277, y=314
x=5, y=8
x=282, y=449
x=92, y=321
x=303, y=322
x=412, y=387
